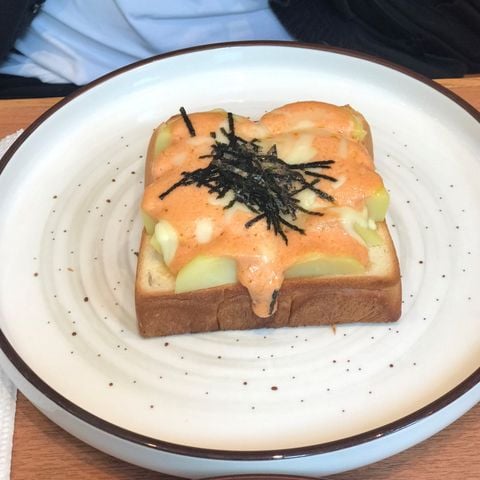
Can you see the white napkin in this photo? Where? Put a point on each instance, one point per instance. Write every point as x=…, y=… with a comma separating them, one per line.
x=8, y=392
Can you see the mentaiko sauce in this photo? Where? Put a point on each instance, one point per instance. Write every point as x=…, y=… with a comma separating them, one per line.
x=302, y=132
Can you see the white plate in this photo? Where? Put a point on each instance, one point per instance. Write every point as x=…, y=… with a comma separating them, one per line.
x=302, y=401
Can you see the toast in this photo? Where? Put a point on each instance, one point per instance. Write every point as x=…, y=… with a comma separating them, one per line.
x=374, y=295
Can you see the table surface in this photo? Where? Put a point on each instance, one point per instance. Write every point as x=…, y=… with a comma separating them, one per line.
x=42, y=450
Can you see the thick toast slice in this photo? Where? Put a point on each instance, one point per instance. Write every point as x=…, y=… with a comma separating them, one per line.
x=373, y=296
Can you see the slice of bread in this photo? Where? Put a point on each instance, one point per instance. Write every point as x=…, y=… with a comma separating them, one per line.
x=373, y=296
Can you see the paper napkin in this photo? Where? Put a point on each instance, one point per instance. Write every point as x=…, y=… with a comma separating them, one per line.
x=8, y=392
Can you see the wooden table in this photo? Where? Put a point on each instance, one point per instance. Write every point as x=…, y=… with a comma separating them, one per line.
x=41, y=450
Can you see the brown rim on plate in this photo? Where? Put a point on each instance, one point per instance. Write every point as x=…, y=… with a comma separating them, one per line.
x=235, y=455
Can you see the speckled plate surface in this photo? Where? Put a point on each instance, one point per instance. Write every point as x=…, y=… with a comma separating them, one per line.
x=70, y=228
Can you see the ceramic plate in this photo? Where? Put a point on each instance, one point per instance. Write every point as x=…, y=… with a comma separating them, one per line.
x=69, y=233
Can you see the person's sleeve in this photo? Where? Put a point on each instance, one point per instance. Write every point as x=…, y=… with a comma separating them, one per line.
x=436, y=38
x=15, y=16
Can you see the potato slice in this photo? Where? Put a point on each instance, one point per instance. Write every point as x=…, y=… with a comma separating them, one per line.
x=317, y=265
x=358, y=133
x=206, y=272
x=166, y=239
x=148, y=222
x=369, y=236
x=377, y=205
x=163, y=138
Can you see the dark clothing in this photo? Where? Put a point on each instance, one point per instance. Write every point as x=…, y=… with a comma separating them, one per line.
x=438, y=38
x=15, y=17
x=12, y=86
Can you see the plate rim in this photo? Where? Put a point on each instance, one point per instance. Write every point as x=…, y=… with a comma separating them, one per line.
x=218, y=454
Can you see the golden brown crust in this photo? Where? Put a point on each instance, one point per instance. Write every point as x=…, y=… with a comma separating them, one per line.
x=300, y=303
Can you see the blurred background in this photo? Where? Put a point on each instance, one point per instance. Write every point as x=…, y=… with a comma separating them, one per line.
x=52, y=47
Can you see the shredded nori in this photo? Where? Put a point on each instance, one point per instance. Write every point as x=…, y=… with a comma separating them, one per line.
x=273, y=302
x=188, y=122
x=263, y=182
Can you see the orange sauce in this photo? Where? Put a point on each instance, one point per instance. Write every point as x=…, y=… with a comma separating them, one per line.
x=322, y=130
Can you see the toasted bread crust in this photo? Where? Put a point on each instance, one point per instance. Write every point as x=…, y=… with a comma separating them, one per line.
x=300, y=304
